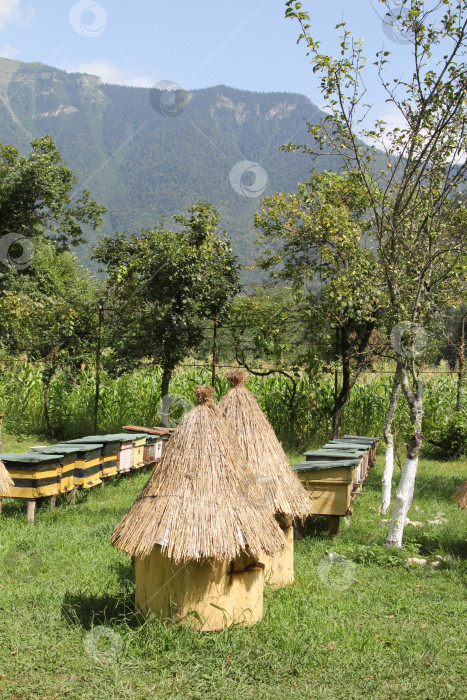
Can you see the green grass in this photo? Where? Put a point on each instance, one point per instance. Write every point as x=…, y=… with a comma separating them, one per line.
x=389, y=631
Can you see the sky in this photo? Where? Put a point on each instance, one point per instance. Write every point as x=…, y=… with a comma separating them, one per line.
x=245, y=44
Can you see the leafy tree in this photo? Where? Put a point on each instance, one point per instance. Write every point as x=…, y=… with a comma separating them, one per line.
x=162, y=284
x=418, y=223
x=36, y=195
x=49, y=315
x=317, y=237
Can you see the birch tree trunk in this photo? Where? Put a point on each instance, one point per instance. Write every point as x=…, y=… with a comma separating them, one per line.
x=389, y=439
x=405, y=490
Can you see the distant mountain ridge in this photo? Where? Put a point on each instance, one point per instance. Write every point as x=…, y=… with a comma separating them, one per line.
x=222, y=145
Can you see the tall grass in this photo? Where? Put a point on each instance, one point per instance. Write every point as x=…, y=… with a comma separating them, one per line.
x=135, y=398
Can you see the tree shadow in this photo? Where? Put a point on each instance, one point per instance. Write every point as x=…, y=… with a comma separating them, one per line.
x=89, y=611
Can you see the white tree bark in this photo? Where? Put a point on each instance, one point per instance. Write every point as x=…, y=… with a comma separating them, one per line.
x=403, y=501
x=389, y=439
x=405, y=490
x=387, y=479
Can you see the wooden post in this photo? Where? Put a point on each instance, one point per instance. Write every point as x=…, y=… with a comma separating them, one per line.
x=52, y=503
x=334, y=521
x=31, y=509
x=71, y=498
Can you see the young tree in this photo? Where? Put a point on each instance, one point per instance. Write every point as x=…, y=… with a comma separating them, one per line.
x=162, y=284
x=418, y=223
x=317, y=247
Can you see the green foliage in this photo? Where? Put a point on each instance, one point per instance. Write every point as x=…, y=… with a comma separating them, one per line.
x=36, y=197
x=451, y=437
x=136, y=398
x=162, y=284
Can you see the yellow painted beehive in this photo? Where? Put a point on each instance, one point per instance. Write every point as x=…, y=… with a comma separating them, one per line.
x=194, y=534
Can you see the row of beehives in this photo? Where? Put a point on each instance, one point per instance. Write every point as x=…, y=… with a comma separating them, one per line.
x=333, y=473
x=47, y=471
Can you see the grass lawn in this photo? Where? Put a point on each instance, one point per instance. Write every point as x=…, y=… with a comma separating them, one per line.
x=365, y=625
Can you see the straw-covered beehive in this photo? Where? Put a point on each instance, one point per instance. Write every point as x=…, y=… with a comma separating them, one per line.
x=193, y=534
x=460, y=497
x=282, y=493
x=6, y=482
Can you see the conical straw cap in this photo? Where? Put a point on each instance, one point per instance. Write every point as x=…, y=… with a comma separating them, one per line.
x=202, y=500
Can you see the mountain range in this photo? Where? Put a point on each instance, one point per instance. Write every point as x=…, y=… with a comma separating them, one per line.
x=147, y=154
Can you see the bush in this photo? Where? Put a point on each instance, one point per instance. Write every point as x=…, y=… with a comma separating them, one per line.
x=452, y=437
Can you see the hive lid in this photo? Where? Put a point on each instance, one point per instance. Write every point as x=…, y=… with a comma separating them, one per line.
x=57, y=450
x=30, y=457
x=84, y=446
x=117, y=437
x=333, y=453
x=362, y=437
x=312, y=466
x=202, y=500
x=361, y=449
x=350, y=443
x=281, y=487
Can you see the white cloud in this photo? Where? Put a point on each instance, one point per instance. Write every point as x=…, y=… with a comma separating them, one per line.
x=109, y=72
x=9, y=51
x=9, y=11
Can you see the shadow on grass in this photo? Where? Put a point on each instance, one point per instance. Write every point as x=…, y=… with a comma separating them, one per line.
x=88, y=611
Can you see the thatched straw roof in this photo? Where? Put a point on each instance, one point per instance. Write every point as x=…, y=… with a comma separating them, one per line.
x=283, y=492
x=6, y=481
x=198, y=502
x=460, y=497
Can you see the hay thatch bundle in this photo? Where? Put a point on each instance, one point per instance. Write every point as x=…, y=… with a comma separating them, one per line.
x=460, y=497
x=6, y=481
x=282, y=491
x=197, y=503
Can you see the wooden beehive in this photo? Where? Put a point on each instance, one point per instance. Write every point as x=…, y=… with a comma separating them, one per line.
x=194, y=533
x=210, y=595
x=373, y=441
x=364, y=451
x=68, y=457
x=330, y=455
x=110, y=448
x=351, y=444
x=88, y=465
x=329, y=484
x=34, y=475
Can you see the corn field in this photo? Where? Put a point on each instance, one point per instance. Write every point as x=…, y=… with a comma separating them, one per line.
x=135, y=398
